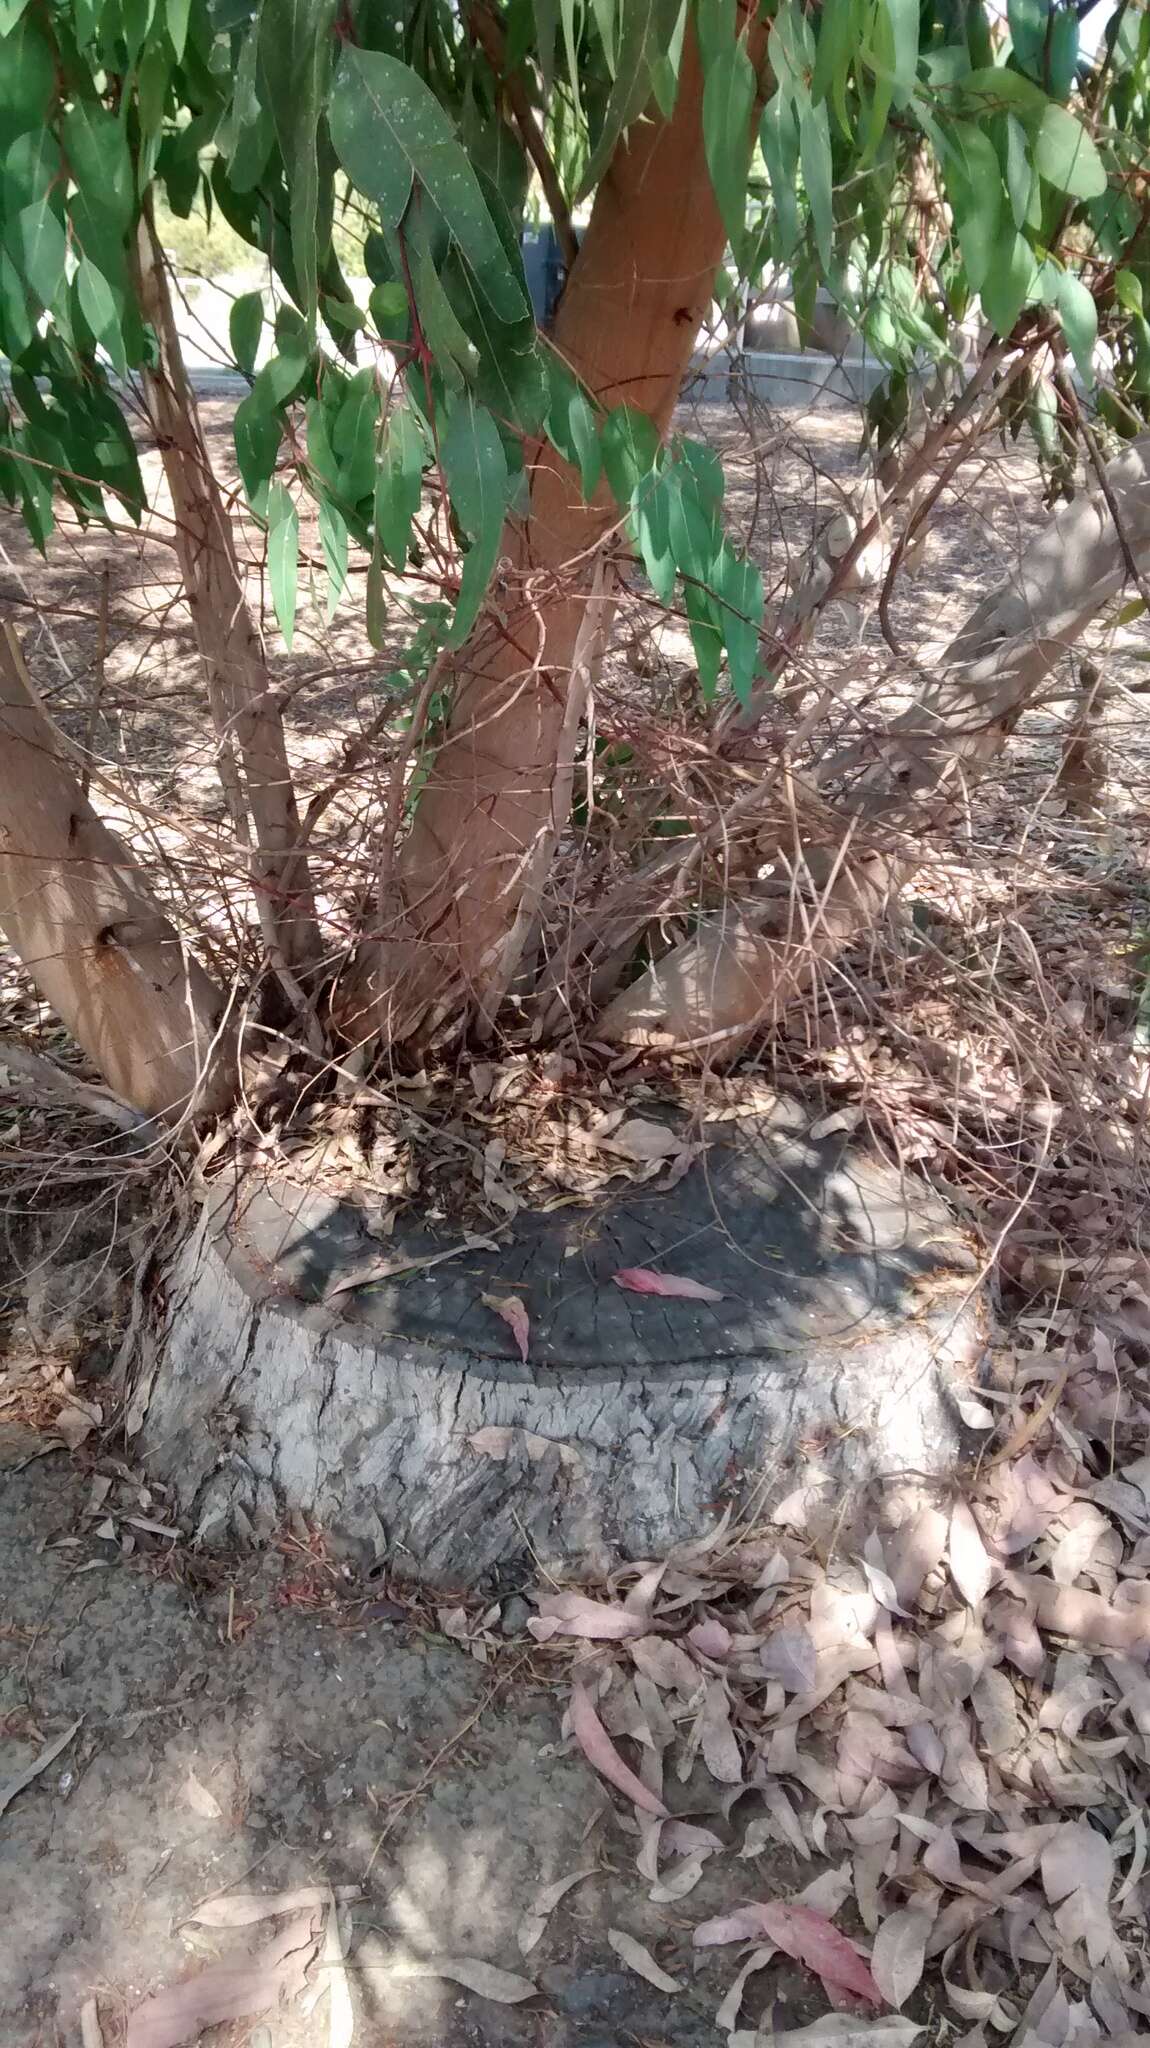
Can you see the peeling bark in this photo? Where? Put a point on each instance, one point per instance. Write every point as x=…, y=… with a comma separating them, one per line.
x=95, y=941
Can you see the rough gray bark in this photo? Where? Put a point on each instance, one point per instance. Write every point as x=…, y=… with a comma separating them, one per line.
x=401, y=1415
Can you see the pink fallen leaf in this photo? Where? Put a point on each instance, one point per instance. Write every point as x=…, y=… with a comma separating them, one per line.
x=573, y=1614
x=800, y=1932
x=970, y=1565
x=602, y=1755
x=641, y=1280
x=226, y=1991
x=514, y=1315
x=743, y=1924
x=710, y=1638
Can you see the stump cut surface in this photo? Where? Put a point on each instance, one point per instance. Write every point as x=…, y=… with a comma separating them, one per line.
x=399, y=1410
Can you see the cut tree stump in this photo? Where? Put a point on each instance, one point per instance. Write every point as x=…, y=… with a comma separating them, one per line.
x=399, y=1414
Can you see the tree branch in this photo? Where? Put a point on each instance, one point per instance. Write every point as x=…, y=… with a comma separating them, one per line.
x=488, y=33
x=44, y=1073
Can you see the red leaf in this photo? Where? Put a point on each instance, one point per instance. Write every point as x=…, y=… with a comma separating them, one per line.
x=514, y=1315
x=600, y=1751
x=641, y=1280
x=806, y=1935
x=811, y=1939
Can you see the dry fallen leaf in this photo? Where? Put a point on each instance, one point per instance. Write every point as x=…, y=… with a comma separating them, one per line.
x=899, y=1949
x=839, y=2030
x=600, y=1752
x=243, y=1909
x=226, y=1991
x=727, y=2017
x=640, y=1139
x=679, y=1879
x=807, y=1936
x=515, y=1315
x=641, y=1280
x=720, y=1748
x=573, y=1614
x=390, y=1269
x=640, y=1960
x=48, y=1755
x=970, y=1566
x=201, y=1800
x=485, y=1979
x=533, y=1924
x=789, y=1654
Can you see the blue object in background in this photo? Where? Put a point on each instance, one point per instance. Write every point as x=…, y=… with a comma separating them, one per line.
x=545, y=270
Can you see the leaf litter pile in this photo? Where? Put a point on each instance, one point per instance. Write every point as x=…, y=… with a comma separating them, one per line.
x=948, y=1721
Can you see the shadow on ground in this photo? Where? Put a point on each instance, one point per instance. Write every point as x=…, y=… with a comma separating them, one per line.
x=311, y=1733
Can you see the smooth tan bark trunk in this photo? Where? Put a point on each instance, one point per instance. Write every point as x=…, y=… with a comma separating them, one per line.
x=96, y=943
x=627, y=324
x=731, y=978
x=244, y=709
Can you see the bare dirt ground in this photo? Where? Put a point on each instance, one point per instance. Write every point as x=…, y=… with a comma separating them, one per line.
x=257, y=1728
x=334, y=1737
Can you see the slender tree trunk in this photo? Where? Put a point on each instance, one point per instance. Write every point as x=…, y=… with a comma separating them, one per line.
x=731, y=978
x=96, y=943
x=627, y=324
x=244, y=709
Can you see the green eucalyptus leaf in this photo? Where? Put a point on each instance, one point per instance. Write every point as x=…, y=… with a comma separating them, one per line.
x=629, y=442
x=903, y=16
x=651, y=525
x=1011, y=274
x=1062, y=51
x=283, y=558
x=295, y=43
x=1079, y=316
x=245, y=326
x=257, y=431
x=1066, y=157
x=994, y=86
x=815, y=159
x=333, y=541
x=391, y=133
x=1018, y=169
x=728, y=101
x=738, y=585
x=399, y=485
x=37, y=244
x=353, y=437
x=572, y=426
x=1028, y=21
x=102, y=313
x=475, y=469
x=647, y=30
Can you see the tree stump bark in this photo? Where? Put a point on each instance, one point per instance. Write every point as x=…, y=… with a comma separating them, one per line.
x=400, y=1414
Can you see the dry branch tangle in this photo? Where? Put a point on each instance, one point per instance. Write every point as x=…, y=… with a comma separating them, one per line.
x=716, y=987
